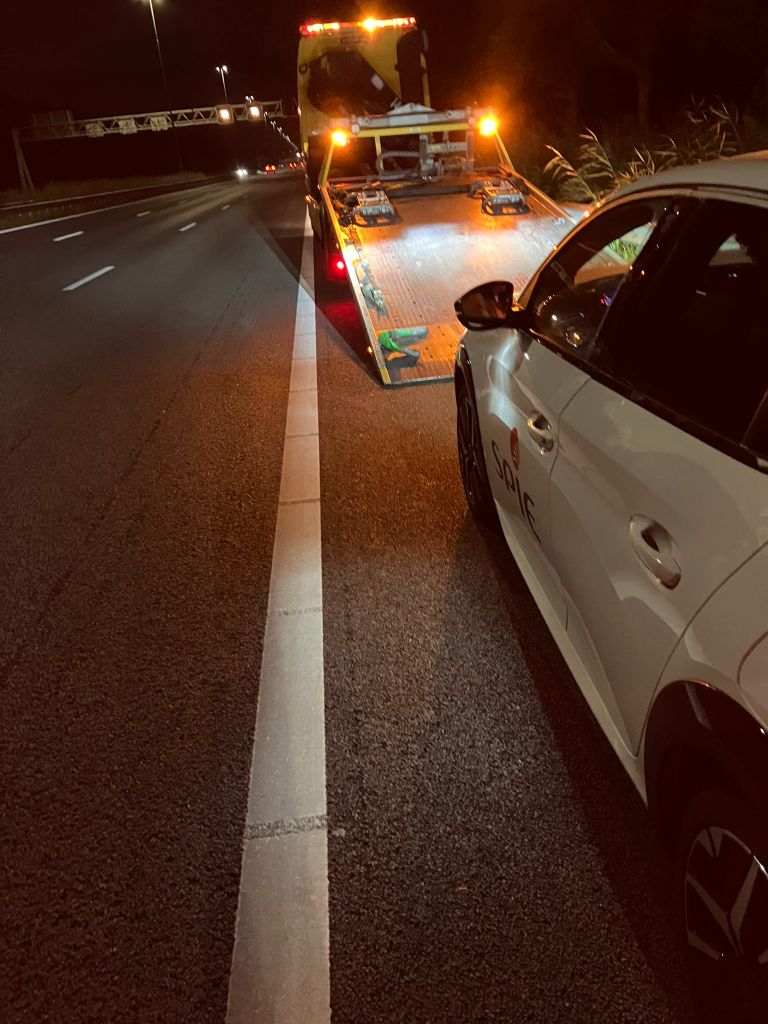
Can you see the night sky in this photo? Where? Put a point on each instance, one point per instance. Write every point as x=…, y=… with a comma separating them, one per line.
x=99, y=58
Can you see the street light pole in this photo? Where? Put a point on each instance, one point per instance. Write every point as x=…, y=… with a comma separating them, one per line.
x=165, y=85
x=223, y=70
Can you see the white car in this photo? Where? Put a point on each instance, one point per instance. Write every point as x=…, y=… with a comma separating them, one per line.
x=613, y=421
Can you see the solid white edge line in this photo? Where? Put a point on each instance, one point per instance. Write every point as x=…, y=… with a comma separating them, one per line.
x=86, y=280
x=72, y=234
x=104, y=209
x=280, y=959
x=188, y=226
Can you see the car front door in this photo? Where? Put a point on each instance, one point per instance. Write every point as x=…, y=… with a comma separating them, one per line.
x=525, y=382
x=657, y=494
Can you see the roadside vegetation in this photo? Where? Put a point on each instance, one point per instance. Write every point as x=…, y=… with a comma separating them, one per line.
x=582, y=167
x=594, y=93
x=93, y=186
x=598, y=166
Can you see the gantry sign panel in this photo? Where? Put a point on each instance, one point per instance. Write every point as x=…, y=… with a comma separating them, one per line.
x=64, y=127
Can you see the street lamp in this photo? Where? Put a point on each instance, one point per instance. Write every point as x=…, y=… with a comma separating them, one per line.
x=223, y=70
x=165, y=82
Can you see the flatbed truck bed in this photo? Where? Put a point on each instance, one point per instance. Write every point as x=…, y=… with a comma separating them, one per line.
x=406, y=271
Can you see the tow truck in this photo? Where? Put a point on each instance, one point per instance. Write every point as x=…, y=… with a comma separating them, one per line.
x=412, y=205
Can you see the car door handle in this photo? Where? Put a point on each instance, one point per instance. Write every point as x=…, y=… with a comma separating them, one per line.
x=653, y=546
x=541, y=431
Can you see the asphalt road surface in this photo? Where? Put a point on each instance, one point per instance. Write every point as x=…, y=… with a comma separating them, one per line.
x=487, y=858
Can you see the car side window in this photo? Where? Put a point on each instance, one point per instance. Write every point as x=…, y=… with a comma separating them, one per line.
x=577, y=287
x=695, y=341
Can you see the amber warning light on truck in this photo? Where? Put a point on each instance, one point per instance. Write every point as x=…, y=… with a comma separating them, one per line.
x=488, y=126
x=313, y=28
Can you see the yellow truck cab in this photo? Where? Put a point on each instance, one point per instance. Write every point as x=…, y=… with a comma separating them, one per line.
x=355, y=68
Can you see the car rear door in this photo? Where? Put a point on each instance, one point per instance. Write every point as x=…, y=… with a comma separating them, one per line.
x=657, y=494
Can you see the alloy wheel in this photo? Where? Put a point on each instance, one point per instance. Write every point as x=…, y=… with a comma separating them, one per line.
x=725, y=903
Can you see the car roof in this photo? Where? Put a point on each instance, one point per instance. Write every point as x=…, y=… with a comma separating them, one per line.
x=748, y=171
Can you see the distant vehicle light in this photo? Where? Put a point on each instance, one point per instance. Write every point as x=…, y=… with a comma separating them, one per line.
x=339, y=138
x=241, y=172
x=488, y=126
x=339, y=264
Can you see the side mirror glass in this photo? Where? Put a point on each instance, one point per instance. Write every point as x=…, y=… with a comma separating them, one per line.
x=487, y=306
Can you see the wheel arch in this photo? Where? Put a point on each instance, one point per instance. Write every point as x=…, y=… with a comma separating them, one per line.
x=696, y=738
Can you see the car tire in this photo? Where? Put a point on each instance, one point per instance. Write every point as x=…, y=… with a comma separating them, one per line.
x=474, y=475
x=721, y=869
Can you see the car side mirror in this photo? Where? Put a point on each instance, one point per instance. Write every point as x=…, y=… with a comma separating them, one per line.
x=488, y=306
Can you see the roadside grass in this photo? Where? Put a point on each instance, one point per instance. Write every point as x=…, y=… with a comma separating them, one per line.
x=593, y=166
x=584, y=166
x=71, y=189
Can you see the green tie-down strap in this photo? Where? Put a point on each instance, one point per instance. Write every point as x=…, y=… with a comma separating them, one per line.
x=390, y=340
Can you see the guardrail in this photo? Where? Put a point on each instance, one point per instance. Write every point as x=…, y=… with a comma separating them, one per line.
x=137, y=193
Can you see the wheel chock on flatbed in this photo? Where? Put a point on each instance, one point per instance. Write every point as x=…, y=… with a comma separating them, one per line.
x=372, y=207
x=498, y=195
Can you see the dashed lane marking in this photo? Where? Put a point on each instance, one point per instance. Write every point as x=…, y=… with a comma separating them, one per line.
x=188, y=227
x=72, y=234
x=101, y=209
x=88, y=279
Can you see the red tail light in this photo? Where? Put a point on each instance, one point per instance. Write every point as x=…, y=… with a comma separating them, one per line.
x=337, y=270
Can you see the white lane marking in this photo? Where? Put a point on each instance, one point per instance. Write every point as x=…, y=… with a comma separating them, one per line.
x=301, y=418
x=226, y=207
x=280, y=966
x=102, y=209
x=188, y=226
x=72, y=234
x=144, y=213
x=86, y=280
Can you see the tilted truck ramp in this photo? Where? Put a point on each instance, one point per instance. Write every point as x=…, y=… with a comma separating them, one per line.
x=407, y=275
x=431, y=218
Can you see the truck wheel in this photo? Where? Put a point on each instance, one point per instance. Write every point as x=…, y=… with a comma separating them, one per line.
x=474, y=475
x=721, y=871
